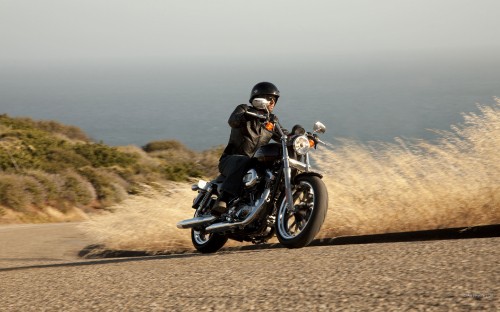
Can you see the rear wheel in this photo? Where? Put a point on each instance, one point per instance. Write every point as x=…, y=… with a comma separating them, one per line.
x=207, y=242
x=297, y=226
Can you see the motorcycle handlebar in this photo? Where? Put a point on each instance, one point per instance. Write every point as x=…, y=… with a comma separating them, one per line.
x=256, y=115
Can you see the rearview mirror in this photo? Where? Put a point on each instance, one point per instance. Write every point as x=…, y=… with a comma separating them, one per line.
x=319, y=127
x=260, y=103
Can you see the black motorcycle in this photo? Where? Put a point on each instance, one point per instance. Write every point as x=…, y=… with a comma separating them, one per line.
x=282, y=196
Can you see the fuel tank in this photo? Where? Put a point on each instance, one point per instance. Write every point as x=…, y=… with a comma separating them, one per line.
x=268, y=153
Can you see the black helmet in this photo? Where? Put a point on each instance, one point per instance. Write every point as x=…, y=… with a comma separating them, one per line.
x=264, y=88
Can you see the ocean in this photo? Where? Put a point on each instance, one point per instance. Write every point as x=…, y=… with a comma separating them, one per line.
x=373, y=100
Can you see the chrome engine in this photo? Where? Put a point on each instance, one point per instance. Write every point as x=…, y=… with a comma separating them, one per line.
x=251, y=178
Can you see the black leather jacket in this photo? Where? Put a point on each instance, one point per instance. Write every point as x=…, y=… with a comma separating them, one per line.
x=247, y=133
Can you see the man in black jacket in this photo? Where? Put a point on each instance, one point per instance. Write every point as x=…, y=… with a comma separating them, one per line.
x=248, y=133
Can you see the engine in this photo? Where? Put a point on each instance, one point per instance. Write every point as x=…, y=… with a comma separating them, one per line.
x=251, y=185
x=251, y=178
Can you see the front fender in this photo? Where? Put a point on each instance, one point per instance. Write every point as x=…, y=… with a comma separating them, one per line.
x=303, y=174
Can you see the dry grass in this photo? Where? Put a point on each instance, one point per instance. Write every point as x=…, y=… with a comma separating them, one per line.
x=376, y=188
x=147, y=221
x=417, y=185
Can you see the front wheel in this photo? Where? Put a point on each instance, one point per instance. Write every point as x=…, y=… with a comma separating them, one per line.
x=297, y=226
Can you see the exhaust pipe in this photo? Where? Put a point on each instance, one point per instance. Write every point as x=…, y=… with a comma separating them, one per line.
x=189, y=223
x=222, y=226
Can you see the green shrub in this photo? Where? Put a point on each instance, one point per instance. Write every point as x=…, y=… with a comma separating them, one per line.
x=19, y=191
x=17, y=123
x=12, y=192
x=76, y=189
x=35, y=189
x=100, y=155
x=50, y=182
x=155, y=146
x=59, y=159
x=29, y=149
x=181, y=171
x=109, y=187
x=50, y=126
x=48, y=162
x=70, y=132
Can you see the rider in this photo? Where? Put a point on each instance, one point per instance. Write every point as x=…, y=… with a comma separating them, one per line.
x=248, y=133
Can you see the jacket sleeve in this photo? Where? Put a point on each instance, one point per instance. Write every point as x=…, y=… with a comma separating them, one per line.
x=237, y=118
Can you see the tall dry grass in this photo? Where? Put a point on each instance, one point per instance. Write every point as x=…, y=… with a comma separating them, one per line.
x=416, y=185
x=373, y=188
x=146, y=221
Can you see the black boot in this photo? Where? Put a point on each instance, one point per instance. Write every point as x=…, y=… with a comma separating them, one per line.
x=219, y=207
x=222, y=204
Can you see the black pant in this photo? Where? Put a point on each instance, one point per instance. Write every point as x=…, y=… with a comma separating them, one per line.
x=234, y=168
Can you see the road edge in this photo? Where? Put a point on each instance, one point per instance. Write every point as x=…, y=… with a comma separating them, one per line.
x=479, y=231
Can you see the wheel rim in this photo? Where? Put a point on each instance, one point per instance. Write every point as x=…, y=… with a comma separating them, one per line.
x=200, y=237
x=292, y=222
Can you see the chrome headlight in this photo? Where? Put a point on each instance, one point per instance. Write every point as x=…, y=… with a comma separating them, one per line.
x=301, y=145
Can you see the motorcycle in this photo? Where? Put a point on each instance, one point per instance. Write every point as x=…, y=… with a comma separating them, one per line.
x=282, y=196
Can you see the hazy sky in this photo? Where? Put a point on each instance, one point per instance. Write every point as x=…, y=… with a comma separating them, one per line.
x=152, y=30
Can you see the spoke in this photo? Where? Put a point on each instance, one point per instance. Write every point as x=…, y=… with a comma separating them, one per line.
x=297, y=228
x=293, y=224
x=296, y=196
x=301, y=211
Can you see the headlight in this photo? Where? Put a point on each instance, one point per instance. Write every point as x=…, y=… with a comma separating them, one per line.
x=301, y=145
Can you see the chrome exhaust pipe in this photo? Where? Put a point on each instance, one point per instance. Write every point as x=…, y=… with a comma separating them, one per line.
x=189, y=223
x=222, y=226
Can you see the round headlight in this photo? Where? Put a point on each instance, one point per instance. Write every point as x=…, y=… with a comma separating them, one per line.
x=301, y=145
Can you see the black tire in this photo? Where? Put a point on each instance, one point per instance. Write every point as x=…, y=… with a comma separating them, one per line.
x=308, y=215
x=207, y=243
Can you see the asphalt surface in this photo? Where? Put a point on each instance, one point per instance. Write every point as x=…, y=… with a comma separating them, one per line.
x=34, y=244
x=440, y=275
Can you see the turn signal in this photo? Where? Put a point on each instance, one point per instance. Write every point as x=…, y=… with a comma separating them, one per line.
x=312, y=143
x=269, y=126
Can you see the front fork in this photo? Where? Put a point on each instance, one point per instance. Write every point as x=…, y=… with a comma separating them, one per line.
x=287, y=171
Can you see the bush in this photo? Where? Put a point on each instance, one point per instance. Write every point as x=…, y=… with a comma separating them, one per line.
x=100, y=155
x=50, y=182
x=12, y=192
x=71, y=132
x=59, y=159
x=36, y=190
x=109, y=187
x=76, y=189
x=48, y=162
x=29, y=149
x=49, y=126
x=18, y=191
x=182, y=171
x=155, y=146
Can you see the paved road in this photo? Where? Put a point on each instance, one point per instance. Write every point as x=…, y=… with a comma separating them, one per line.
x=433, y=276
x=28, y=244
